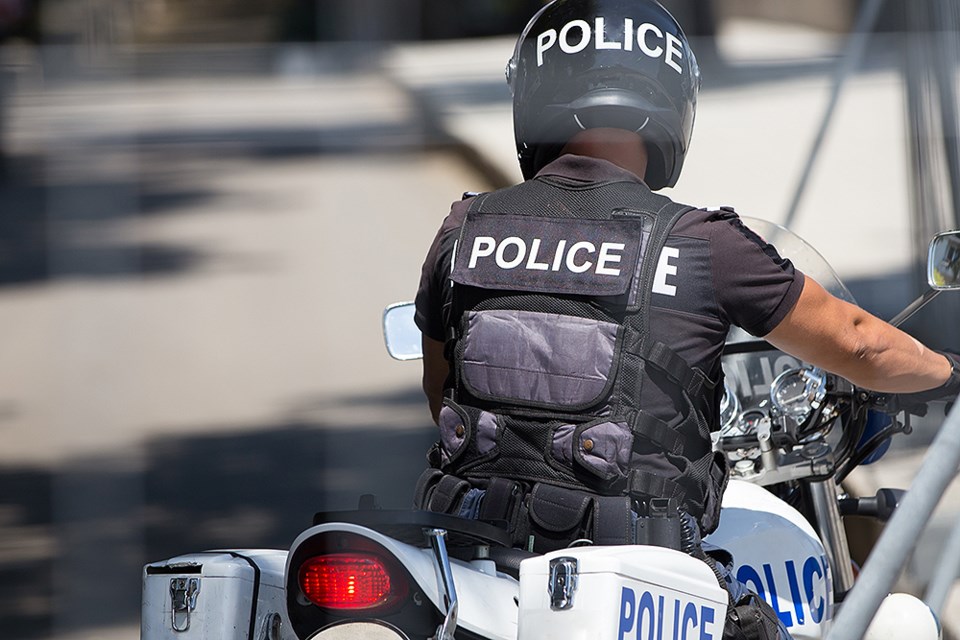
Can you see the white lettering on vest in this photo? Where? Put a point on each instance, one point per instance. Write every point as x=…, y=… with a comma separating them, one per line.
x=483, y=246
x=571, y=257
x=453, y=258
x=558, y=257
x=513, y=241
x=514, y=251
x=607, y=258
x=648, y=37
x=532, y=263
x=664, y=269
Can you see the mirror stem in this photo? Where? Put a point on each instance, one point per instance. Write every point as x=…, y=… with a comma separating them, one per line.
x=914, y=306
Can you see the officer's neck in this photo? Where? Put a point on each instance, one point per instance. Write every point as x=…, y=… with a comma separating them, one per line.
x=623, y=148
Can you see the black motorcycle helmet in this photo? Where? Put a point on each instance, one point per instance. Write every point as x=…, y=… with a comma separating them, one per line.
x=582, y=64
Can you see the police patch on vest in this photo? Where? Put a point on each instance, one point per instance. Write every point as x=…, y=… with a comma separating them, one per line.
x=548, y=255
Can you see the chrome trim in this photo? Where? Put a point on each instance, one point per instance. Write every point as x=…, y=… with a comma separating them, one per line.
x=830, y=528
x=437, y=538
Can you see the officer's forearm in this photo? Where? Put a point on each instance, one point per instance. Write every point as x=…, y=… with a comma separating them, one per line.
x=891, y=361
x=842, y=338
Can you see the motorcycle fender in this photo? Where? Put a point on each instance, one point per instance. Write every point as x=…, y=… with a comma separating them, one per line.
x=778, y=556
x=487, y=599
x=216, y=595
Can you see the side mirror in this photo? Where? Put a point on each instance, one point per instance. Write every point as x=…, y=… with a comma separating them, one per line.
x=400, y=332
x=943, y=272
x=943, y=261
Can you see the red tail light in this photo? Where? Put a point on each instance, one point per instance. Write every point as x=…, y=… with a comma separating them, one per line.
x=353, y=581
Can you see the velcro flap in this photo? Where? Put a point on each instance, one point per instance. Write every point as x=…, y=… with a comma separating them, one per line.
x=498, y=503
x=548, y=255
x=557, y=509
x=455, y=428
x=613, y=520
x=603, y=448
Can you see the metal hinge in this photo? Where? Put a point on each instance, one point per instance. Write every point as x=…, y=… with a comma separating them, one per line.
x=564, y=580
x=183, y=598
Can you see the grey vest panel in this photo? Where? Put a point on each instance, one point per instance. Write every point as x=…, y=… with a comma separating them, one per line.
x=538, y=359
x=552, y=282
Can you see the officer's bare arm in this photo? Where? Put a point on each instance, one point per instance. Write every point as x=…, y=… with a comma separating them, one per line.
x=843, y=338
x=435, y=369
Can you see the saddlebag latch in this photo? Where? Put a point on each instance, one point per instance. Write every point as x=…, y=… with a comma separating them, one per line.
x=564, y=580
x=183, y=599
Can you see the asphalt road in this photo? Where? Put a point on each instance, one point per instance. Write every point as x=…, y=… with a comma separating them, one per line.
x=192, y=276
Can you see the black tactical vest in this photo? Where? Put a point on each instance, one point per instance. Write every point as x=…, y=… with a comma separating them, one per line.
x=549, y=343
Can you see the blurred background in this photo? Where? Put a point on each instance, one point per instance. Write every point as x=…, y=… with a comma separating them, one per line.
x=205, y=207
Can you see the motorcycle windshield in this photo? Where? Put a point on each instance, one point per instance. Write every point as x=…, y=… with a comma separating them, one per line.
x=751, y=365
x=804, y=257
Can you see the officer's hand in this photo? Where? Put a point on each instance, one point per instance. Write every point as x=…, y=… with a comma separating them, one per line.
x=916, y=403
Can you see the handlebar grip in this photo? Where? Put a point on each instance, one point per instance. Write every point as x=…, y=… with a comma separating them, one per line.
x=880, y=506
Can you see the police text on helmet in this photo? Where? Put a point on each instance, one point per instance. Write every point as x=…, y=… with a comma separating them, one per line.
x=648, y=38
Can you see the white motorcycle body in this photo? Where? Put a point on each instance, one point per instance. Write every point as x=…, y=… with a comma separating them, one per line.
x=622, y=592
x=775, y=550
x=619, y=592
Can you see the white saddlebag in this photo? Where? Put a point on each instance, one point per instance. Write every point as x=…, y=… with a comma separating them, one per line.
x=618, y=593
x=215, y=596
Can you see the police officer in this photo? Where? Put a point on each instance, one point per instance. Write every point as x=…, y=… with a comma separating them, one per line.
x=573, y=324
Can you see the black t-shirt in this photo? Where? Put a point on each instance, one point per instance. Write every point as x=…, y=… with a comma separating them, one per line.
x=713, y=272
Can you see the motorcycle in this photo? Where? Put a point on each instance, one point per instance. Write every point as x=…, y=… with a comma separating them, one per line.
x=790, y=432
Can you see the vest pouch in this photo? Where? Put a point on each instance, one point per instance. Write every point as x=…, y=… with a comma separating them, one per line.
x=557, y=517
x=603, y=448
x=463, y=429
x=534, y=359
x=719, y=476
x=447, y=495
x=501, y=502
x=426, y=484
x=613, y=520
x=600, y=447
x=454, y=438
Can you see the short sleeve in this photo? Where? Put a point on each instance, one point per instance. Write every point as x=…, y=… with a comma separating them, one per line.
x=433, y=294
x=756, y=287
